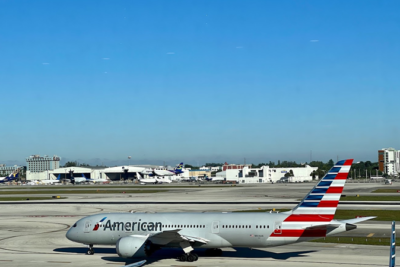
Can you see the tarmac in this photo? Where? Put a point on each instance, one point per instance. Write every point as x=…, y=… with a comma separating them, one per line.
x=34, y=235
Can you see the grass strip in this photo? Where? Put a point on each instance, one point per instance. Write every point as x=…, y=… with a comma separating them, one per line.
x=93, y=191
x=22, y=187
x=382, y=215
x=385, y=241
x=27, y=198
x=387, y=190
x=370, y=198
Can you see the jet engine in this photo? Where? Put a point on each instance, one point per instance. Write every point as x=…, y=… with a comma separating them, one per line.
x=135, y=246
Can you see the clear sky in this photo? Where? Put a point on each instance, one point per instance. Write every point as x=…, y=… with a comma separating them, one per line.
x=199, y=81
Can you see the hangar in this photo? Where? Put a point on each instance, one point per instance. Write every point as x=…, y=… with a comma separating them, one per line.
x=112, y=173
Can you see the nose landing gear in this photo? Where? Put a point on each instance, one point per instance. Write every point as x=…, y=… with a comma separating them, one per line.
x=90, y=250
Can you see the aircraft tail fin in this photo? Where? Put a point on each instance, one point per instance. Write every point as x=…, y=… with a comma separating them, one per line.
x=59, y=177
x=320, y=204
x=178, y=169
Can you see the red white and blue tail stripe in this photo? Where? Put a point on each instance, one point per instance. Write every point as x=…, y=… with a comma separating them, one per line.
x=322, y=201
x=310, y=218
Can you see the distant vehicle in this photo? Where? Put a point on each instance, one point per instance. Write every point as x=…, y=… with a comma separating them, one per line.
x=9, y=178
x=51, y=182
x=155, y=172
x=388, y=181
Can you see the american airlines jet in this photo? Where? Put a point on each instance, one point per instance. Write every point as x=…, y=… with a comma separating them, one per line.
x=141, y=234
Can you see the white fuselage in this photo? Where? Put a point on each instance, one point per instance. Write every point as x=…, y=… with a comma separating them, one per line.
x=220, y=229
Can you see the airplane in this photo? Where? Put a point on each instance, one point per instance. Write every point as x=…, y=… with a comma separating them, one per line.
x=9, y=178
x=84, y=179
x=155, y=181
x=214, y=179
x=79, y=180
x=155, y=172
x=141, y=234
x=51, y=182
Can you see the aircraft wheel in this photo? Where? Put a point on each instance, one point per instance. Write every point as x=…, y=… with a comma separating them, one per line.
x=90, y=252
x=191, y=258
x=183, y=257
x=196, y=257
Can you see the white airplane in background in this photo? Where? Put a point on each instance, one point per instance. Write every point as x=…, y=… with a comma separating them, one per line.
x=155, y=172
x=51, y=182
x=157, y=180
x=97, y=180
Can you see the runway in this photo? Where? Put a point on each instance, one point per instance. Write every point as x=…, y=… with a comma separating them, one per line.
x=34, y=234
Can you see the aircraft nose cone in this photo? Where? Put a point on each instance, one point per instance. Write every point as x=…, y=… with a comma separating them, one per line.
x=71, y=235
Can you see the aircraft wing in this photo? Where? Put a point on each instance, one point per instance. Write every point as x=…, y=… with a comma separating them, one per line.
x=165, y=237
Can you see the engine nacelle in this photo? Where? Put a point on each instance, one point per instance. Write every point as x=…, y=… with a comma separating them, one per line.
x=132, y=246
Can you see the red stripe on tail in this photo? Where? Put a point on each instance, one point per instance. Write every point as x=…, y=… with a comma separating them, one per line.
x=334, y=190
x=341, y=176
x=328, y=203
x=348, y=162
x=309, y=218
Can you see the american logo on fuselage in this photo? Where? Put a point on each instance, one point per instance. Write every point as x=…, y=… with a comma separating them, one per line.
x=132, y=226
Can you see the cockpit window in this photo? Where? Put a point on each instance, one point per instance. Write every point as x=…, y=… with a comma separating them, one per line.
x=74, y=225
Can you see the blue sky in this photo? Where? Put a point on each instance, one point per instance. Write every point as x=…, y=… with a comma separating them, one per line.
x=199, y=81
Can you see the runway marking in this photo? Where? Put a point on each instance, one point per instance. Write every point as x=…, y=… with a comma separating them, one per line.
x=370, y=235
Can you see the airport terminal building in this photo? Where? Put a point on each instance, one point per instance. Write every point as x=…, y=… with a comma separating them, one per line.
x=245, y=174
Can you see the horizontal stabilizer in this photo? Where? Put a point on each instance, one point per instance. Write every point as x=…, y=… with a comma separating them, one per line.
x=357, y=220
x=323, y=226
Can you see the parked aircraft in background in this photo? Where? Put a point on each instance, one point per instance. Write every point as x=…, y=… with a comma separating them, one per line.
x=84, y=179
x=214, y=179
x=10, y=177
x=78, y=180
x=51, y=182
x=97, y=180
x=155, y=172
x=156, y=180
x=140, y=234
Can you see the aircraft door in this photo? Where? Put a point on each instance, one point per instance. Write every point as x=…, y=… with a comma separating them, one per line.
x=88, y=226
x=278, y=228
x=215, y=227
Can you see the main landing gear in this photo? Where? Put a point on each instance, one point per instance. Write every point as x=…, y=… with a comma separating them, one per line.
x=190, y=257
x=188, y=254
x=90, y=250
